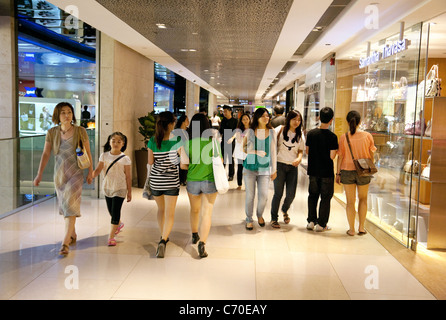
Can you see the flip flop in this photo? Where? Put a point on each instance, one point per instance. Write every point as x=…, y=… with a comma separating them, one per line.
x=348, y=233
x=361, y=233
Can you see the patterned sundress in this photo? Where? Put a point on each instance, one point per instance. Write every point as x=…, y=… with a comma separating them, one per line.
x=68, y=180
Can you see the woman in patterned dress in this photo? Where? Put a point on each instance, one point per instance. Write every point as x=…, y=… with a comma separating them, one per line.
x=68, y=177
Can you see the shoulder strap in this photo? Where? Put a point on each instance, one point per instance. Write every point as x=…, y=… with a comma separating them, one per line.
x=111, y=165
x=349, y=146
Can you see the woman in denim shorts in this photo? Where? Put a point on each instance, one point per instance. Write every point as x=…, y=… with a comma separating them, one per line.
x=196, y=157
x=363, y=146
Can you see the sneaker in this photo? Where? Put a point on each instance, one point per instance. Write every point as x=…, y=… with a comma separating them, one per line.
x=111, y=242
x=321, y=229
x=201, y=250
x=119, y=228
x=310, y=226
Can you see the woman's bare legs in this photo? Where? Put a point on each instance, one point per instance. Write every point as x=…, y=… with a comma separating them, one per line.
x=362, y=206
x=350, y=193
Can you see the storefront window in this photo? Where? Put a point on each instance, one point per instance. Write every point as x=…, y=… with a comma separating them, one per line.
x=56, y=62
x=383, y=88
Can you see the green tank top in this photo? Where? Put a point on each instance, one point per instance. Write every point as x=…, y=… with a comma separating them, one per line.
x=254, y=162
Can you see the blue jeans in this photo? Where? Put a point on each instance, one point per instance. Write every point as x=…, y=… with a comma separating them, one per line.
x=323, y=188
x=286, y=176
x=252, y=178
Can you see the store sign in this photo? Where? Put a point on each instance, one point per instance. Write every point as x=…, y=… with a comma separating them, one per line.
x=388, y=51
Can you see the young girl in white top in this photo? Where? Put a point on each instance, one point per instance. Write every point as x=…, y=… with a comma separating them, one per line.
x=290, y=147
x=117, y=184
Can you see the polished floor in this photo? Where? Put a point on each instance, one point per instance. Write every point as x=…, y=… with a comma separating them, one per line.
x=263, y=264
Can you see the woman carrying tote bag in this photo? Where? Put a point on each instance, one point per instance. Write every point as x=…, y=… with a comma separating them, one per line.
x=362, y=146
x=197, y=158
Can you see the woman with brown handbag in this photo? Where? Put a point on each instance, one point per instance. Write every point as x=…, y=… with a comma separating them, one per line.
x=362, y=146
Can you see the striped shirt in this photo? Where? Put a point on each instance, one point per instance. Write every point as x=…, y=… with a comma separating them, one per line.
x=164, y=174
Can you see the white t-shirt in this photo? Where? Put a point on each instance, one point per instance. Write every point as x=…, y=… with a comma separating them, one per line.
x=114, y=184
x=287, y=151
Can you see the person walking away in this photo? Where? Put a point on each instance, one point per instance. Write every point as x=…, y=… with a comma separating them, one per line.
x=363, y=146
x=117, y=183
x=227, y=127
x=63, y=140
x=290, y=148
x=180, y=130
x=164, y=177
x=196, y=156
x=240, y=133
x=215, y=120
x=260, y=166
x=321, y=148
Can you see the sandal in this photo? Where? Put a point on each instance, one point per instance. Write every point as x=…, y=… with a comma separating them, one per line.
x=361, y=233
x=249, y=226
x=64, y=250
x=121, y=225
x=286, y=218
x=348, y=233
x=275, y=224
x=111, y=242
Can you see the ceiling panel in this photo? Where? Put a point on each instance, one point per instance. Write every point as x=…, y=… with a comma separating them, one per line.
x=233, y=39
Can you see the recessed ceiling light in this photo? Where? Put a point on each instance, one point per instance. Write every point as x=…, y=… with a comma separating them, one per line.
x=192, y=50
x=184, y=50
x=161, y=25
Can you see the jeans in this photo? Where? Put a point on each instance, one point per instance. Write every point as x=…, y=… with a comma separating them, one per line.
x=252, y=178
x=286, y=176
x=114, y=206
x=323, y=188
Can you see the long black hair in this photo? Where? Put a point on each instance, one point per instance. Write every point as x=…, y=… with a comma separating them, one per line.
x=291, y=115
x=258, y=114
x=200, y=120
x=353, y=119
x=162, y=122
x=240, y=124
x=107, y=146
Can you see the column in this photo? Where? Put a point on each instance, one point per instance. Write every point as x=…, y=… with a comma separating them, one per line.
x=192, y=98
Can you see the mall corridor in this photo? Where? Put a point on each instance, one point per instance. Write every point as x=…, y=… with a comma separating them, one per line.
x=263, y=264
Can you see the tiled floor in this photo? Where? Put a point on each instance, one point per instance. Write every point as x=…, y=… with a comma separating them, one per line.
x=266, y=263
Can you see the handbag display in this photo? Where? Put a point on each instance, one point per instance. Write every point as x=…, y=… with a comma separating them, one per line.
x=411, y=165
x=364, y=167
x=427, y=169
x=220, y=178
x=83, y=161
x=428, y=131
x=433, y=82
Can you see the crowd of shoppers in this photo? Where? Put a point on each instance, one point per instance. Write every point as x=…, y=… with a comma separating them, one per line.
x=265, y=149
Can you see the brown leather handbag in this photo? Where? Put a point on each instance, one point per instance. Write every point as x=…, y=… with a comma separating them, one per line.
x=364, y=167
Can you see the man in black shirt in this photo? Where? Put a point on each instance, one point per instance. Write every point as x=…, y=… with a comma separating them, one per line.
x=321, y=147
x=227, y=127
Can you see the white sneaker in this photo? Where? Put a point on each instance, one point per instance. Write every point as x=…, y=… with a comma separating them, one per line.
x=310, y=226
x=320, y=229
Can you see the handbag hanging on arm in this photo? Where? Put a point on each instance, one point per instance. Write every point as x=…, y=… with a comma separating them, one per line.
x=220, y=178
x=364, y=167
x=83, y=161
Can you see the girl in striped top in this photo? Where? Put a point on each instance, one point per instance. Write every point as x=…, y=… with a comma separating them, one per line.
x=164, y=180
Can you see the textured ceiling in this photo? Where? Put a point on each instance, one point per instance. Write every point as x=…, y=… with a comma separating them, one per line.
x=233, y=39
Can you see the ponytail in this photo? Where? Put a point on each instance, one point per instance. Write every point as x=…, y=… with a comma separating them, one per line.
x=164, y=119
x=353, y=119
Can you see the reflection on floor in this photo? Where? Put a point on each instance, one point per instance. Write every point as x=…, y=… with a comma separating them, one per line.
x=266, y=263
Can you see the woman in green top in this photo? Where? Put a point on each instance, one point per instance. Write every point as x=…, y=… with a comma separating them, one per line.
x=259, y=167
x=196, y=157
